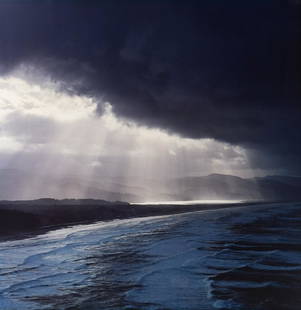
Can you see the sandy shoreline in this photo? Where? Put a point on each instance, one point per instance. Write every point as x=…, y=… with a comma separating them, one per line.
x=24, y=219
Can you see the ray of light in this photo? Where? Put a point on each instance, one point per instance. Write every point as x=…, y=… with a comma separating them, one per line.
x=60, y=137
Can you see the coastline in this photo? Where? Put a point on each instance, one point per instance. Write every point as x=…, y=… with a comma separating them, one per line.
x=24, y=219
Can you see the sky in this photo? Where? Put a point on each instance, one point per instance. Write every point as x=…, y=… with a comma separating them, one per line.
x=150, y=89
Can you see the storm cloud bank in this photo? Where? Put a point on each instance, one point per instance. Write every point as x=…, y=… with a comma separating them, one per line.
x=227, y=70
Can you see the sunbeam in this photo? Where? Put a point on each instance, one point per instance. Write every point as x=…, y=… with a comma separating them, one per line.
x=59, y=136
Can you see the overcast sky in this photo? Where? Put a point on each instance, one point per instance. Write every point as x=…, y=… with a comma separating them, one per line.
x=150, y=89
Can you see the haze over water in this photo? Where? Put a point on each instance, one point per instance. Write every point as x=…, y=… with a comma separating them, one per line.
x=241, y=258
x=189, y=202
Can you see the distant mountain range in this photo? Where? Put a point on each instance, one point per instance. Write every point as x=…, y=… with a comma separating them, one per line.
x=22, y=185
x=16, y=185
x=220, y=186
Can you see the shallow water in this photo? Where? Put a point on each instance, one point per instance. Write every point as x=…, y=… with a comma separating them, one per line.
x=240, y=258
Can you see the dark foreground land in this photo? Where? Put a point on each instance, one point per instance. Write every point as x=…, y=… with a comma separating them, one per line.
x=20, y=219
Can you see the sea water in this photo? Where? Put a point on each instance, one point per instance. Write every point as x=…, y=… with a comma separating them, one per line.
x=244, y=258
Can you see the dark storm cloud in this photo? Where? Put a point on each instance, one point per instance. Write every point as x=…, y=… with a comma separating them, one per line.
x=227, y=70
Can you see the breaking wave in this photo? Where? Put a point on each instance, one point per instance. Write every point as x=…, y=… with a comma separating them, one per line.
x=241, y=258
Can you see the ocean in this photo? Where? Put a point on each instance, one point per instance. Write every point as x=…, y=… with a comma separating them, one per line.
x=244, y=258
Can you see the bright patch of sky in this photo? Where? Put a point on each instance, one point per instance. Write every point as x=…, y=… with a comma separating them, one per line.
x=47, y=131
